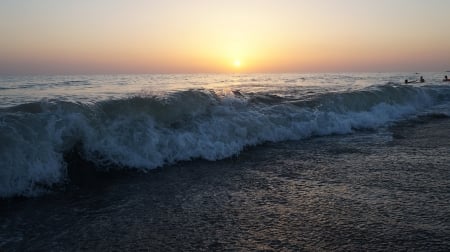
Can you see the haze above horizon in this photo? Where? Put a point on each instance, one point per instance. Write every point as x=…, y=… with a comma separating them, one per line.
x=200, y=36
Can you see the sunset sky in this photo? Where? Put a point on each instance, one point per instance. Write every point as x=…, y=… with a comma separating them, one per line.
x=202, y=36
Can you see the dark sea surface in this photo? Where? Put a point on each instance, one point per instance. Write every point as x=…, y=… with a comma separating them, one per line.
x=302, y=164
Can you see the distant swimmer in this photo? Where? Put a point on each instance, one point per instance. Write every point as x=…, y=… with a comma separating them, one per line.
x=446, y=78
x=415, y=81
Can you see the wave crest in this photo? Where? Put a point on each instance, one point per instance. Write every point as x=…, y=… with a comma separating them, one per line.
x=145, y=132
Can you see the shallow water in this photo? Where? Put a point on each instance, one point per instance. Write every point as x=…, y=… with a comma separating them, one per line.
x=372, y=190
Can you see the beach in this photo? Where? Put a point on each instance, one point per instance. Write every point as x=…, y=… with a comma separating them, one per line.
x=224, y=126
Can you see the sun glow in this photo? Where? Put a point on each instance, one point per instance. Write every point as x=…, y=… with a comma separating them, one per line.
x=237, y=63
x=183, y=37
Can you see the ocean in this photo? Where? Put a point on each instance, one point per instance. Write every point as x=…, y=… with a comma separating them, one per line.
x=309, y=162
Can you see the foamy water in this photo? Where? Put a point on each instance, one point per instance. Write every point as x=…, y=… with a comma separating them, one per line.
x=147, y=121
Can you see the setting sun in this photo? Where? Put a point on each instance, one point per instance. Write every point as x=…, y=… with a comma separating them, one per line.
x=237, y=63
x=261, y=36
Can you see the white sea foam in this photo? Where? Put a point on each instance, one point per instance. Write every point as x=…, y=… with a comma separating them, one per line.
x=145, y=132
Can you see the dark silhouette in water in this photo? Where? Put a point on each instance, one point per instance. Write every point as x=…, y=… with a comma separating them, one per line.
x=415, y=81
x=446, y=78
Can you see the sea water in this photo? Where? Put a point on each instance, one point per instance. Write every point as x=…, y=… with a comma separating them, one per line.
x=147, y=121
x=243, y=162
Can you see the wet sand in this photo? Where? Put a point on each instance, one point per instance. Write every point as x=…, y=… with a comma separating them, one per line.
x=365, y=191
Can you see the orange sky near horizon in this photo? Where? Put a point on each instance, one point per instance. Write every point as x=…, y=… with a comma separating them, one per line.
x=198, y=36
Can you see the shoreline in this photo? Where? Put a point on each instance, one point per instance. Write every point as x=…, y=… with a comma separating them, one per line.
x=342, y=192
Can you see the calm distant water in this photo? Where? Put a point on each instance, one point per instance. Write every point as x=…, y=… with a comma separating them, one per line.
x=16, y=90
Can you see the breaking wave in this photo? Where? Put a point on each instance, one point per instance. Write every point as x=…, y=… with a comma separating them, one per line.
x=145, y=132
